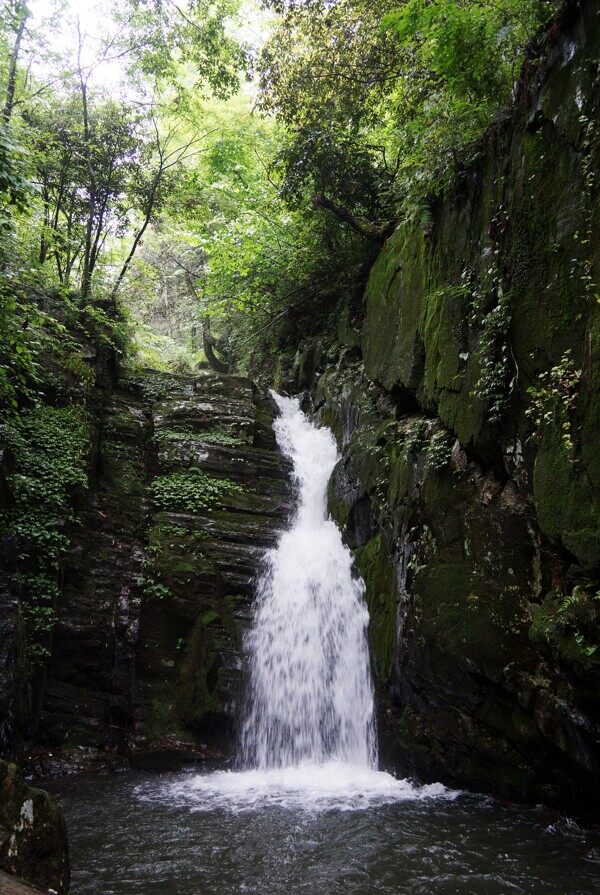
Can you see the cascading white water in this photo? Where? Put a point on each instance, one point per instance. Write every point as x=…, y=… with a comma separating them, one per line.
x=308, y=739
x=311, y=698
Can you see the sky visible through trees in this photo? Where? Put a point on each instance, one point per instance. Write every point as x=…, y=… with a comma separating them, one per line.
x=229, y=169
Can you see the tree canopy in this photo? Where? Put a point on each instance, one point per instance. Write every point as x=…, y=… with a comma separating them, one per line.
x=241, y=170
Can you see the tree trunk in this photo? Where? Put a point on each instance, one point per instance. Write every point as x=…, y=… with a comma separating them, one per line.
x=11, y=82
x=208, y=343
x=364, y=228
x=140, y=233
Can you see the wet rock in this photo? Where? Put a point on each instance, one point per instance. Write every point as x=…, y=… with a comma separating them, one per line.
x=148, y=650
x=204, y=563
x=14, y=685
x=33, y=836
x=451, y=560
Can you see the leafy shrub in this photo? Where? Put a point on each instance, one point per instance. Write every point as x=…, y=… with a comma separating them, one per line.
x=415, y=439
x=192, y=490
x=208, y=437
x=570, y=625
x=50, y=445
x=554, y=399
x=107, y=330
x=493, y=385
x=439, y=450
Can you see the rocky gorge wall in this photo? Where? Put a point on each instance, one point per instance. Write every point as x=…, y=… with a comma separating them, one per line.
x=465, y=397
x=147, y=650
x=135, y=514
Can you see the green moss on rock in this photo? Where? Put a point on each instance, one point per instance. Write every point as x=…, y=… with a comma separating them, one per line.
x=379, y=576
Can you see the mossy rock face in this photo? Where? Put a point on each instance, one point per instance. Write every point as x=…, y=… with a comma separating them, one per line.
x=306, y=363
x=206, y=679
x=372, y=561
x=467, y=312
x=391, y=343
x=453, y=573
x=176, y=553
x=219, y=494
x=471, y=433
x=567, y=503
x=186, y=491
x=33, y=835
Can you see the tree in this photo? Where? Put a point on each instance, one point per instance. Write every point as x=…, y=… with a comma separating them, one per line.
x=19, y=14
x=166, y=38
x=324, y=73
x=382, y=99
x=83, y=172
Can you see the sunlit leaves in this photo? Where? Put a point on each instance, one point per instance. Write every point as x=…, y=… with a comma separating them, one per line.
x=166, y=36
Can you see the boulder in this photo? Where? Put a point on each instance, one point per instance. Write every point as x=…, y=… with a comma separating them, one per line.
x=33, y=836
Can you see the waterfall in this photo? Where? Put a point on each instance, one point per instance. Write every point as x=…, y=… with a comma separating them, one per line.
x=311, y=697
x=308, y=736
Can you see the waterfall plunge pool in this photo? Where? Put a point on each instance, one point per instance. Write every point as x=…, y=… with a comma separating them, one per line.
x=319, y=832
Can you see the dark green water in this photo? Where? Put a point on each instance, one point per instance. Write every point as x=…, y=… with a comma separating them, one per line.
x=146, y=834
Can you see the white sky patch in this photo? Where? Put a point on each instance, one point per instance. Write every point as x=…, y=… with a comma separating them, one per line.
x=95, y=20
x=59, y=30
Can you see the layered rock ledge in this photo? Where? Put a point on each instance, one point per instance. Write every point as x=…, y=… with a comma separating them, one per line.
x=147, y=656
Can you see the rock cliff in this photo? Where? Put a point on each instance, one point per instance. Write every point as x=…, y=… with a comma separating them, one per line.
x=465, y=396
x=147, y=649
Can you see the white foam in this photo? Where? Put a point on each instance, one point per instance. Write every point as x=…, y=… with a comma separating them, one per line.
x=308, y=787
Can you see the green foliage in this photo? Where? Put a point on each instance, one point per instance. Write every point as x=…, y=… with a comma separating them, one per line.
x=224, y=438
x=39, y=612
x=208, y=437
x=14, y=185
x=204, y=213
x=155, y=590
x=152, y=350
x=383, y=99
x=493, y=350
x=415, y=439
x=326, y=73
x=470, y=47
x=18, y=369
x=165, y=37
x=465, y=59
x=50, y=447
x=439, y=450
x=105, y=327
x=570, y=625
x=554, y=400
x=191, y=491
x=87, y=177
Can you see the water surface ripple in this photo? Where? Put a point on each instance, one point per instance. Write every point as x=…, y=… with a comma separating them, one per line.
x=139, y=834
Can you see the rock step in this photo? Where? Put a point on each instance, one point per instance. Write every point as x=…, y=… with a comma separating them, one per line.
x=192, y=640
